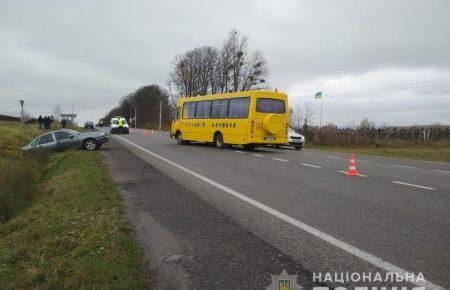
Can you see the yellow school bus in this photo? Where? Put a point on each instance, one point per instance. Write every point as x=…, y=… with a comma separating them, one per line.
x=249, y=118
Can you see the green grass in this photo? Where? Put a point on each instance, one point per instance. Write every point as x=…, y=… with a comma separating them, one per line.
x=15, y=135
x=419, y=152
x=71, y=233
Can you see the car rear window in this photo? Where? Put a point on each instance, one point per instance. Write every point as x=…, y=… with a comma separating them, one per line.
x=275, y=106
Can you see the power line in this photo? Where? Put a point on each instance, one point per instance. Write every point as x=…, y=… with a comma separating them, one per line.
x=388, y=90
x=393, y=87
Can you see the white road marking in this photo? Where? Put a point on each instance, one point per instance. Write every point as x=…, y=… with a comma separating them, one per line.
x=310, y=165
x=279, y=159
x=399, y=165
x=257, y=155
x=239, y=151
x=442, y=171
x=378, y=262
x=345, y=172
x=332, y=156
x=414, y=185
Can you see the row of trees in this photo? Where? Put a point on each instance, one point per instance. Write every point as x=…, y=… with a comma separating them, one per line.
x=367, y=134
x=209, y=70
x=199, y=71
x=145, y=102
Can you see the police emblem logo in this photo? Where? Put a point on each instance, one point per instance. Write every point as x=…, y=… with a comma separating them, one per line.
x=284, y=281
x=284, y=285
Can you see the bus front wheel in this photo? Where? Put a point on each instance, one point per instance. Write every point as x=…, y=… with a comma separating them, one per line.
x=218, y=141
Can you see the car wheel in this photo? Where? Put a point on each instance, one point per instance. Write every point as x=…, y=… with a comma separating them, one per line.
x=90, y=144
x=298, y=147
x=179, y=138
x=218, y=141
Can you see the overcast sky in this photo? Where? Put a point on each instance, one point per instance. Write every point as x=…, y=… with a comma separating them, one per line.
x=91, y=53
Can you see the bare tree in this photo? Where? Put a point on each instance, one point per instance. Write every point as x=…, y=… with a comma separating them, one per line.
x=147, y=101
x=295, y=117
x=366, y=124
x=307, y=114
x=206, y=69
x=253, y=71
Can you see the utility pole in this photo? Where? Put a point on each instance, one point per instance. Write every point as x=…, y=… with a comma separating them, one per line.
x=160, y=113
x=135, y=114
x=21, y=110
x=321, y=109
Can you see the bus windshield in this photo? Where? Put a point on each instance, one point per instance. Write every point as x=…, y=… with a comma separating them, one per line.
x=270, y=106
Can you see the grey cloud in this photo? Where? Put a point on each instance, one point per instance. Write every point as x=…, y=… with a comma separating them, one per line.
x=94, y=52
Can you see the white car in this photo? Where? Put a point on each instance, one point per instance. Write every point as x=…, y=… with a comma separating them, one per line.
x=115, y=126
x=296, y=140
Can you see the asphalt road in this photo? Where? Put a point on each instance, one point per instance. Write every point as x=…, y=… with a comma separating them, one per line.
x=396, y=217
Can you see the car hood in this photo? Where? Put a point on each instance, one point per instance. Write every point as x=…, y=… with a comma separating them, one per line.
x=293, y=134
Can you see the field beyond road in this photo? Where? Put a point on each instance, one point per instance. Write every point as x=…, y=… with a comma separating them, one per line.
x=418, y=152
x=67, y=229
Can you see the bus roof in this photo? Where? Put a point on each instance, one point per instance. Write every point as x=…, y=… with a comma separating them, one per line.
x=233, y=95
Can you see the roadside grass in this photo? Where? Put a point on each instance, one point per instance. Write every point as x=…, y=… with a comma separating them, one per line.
x=68, y=229
x=15, y=135
x=20, y=174
x=419, y=152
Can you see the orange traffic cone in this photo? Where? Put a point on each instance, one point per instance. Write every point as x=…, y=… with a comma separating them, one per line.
x=352, y=166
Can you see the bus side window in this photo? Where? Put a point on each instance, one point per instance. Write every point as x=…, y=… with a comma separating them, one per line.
x=189, y=110
x=219, y=109
x=203, y=109
x=238, y=108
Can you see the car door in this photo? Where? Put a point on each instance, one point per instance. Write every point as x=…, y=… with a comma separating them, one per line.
x=47, y=141
x=64, y=140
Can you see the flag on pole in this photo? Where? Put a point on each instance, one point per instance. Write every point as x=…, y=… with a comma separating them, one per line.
x=318, y=95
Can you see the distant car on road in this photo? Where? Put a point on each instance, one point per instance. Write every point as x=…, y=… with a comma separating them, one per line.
x=295, y=140
x=89, y=125
x=66, y=138
x=115, y=128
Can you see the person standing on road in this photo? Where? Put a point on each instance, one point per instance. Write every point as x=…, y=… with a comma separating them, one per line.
x=120, y=123
x=64, y=123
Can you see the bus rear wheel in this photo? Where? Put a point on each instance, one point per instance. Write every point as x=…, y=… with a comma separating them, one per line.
x=218, y=141
x=179, y=138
